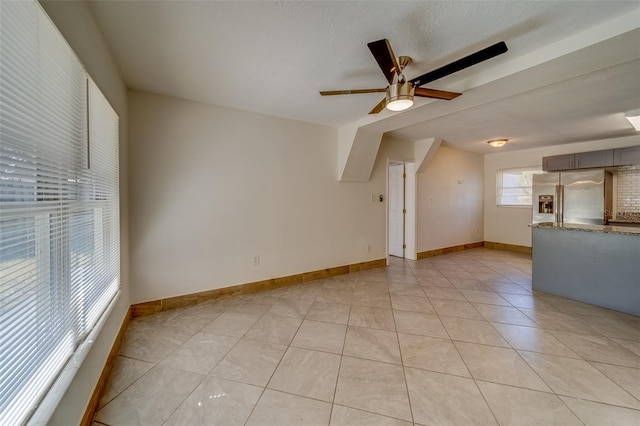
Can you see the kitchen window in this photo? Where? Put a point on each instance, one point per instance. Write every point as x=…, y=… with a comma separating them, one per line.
x=514, y=187
x=59, y=208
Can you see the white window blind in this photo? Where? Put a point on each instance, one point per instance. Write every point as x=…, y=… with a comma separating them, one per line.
x=514, y=187
x=59, y=213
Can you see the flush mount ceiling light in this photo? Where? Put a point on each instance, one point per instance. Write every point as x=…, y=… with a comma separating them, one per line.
x=634, y=118
x=399, y=96
x=497, y=143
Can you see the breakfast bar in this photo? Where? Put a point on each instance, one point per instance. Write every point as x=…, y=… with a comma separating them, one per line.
x=595, y=264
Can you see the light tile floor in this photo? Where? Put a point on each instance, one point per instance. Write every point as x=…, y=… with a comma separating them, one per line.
x=455, y=339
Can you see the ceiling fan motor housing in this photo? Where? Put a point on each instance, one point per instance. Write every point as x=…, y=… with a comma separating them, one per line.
x=400, y=96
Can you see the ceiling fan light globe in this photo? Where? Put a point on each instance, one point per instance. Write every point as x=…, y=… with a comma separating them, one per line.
x=400, y=104
x=400, y=96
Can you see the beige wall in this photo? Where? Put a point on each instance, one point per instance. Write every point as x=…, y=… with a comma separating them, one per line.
x=212, y=187
x=450, y=200
x=76, y=23
x=509, y=225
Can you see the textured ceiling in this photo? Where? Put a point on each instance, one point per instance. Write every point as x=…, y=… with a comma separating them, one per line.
x=274, y=57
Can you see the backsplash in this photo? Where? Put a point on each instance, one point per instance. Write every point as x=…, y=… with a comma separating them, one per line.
x=628, y=196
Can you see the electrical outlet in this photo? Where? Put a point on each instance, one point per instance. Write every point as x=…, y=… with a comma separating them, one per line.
x=369, y=248
x=256, y=260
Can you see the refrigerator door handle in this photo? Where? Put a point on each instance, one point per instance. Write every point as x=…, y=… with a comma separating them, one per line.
x=559, y=204
x=556, y=208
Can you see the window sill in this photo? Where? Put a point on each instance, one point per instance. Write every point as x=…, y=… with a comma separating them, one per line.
x=52, y=398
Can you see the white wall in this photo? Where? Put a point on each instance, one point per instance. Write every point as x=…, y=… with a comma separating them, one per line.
x=213, y=187
x=510, y=224
x=76, y=23
x=450, y=200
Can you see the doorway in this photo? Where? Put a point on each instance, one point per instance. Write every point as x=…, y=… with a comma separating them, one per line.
x=401, y=213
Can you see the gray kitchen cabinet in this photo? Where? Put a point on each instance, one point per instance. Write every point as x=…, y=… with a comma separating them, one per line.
x=558, y=162
x=582, y=160
x=589, y=160
x=626, y=156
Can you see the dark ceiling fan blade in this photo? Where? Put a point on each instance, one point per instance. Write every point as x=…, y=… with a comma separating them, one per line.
x=351, y=92
x=460, y=64
x=376, y=109
x=385, y=58
x=436, y=94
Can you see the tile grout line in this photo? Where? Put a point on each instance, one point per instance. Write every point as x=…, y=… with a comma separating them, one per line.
x=264, y=389
x=576, y=397
x=212, y=368
x=404, y=370
x=223, y=357
x=472, y=378
x=610, y=378
x=157, y=364
x=344, y=341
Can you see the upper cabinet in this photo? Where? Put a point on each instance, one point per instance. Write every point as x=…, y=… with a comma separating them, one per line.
x=558, y=162
x=626, y=156
x=589, y=160
x=583, y=160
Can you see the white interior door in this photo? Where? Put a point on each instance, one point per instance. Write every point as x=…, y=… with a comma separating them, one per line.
x=396, y=210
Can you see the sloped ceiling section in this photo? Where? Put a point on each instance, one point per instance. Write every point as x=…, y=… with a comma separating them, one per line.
x=578, y=96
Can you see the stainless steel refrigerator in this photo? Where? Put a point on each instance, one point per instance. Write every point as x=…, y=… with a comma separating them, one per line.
x=581, y=197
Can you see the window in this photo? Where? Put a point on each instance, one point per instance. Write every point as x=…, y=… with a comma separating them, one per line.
x=59, y=207
x=514, y=186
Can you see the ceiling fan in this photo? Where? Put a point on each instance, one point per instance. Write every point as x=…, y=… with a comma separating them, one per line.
x=400, y=92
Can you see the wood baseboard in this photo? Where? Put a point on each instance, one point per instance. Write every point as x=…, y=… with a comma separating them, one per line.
x=509, y=247
x=446, y=250
x=488, y=244
x=154, y=306
x=87, y=419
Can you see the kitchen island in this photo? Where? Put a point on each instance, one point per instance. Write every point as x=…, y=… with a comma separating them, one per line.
x=595, y=264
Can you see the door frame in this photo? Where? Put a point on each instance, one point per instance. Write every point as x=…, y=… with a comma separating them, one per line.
x=410, y=203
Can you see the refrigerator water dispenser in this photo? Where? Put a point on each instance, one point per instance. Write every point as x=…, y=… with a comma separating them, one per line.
x=545, y=204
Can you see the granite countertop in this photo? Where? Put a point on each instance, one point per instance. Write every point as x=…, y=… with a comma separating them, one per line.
x=625, y=230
